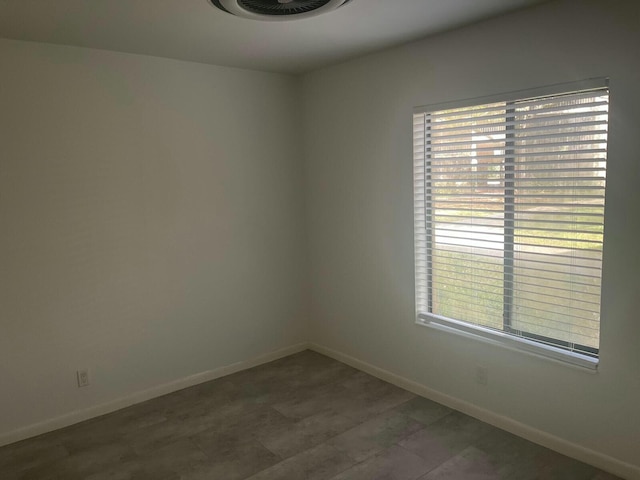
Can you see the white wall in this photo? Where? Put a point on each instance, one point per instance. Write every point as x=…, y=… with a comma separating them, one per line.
x=151, y=224
x=360, y=214
x=152, y=220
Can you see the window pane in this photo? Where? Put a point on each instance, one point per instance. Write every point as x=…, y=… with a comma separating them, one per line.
x=467, y=205
x=559, y=199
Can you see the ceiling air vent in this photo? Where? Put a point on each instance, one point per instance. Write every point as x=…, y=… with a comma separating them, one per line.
x=277, y=9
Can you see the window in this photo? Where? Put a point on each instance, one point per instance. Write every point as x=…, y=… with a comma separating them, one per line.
x=509, y=218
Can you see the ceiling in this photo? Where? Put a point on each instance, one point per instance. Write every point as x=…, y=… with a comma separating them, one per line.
x=194, y=30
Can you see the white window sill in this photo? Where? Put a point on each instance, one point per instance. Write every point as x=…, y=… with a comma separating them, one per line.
x=507, y=341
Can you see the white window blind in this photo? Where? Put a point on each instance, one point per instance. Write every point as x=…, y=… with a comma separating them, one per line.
x=509, y=218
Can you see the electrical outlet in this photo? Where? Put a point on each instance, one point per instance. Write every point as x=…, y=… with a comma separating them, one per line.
x=482, y=375
x=83, y=378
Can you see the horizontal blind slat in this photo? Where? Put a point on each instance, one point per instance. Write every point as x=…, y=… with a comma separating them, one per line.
x=482, y=287
x=493, y=261
x=529, y=131
x=518, y=157
x=535, y=118
x=595, y=255
x=478, y=138
x=458, y=219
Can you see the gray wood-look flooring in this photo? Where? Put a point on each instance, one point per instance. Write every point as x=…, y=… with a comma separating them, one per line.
x=301, y=417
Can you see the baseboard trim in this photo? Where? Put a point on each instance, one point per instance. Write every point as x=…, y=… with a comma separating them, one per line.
x=583, y=454
x=143, y=395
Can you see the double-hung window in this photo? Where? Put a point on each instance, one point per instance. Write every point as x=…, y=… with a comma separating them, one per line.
x=509, y=218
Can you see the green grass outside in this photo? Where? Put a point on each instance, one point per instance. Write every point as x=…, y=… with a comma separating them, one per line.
x=475, y=294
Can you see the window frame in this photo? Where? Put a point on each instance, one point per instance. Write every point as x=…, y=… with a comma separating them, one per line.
x=525, y=341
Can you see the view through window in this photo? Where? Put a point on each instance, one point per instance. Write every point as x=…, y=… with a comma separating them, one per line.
x=509, y=217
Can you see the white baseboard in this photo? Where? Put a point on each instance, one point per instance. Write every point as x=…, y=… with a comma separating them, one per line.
x=583, y=454
x=142, y=396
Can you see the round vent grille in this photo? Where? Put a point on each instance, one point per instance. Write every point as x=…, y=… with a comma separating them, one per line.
x=274, y=7
x=277, y=9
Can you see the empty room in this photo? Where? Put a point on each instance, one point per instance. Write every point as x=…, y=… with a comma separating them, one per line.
x=319, y=239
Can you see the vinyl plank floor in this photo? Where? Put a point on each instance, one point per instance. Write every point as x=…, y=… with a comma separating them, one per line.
x=303, y=417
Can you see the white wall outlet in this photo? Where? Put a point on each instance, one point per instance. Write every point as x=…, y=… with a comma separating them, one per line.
x=83, y=378
x=482, y=375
